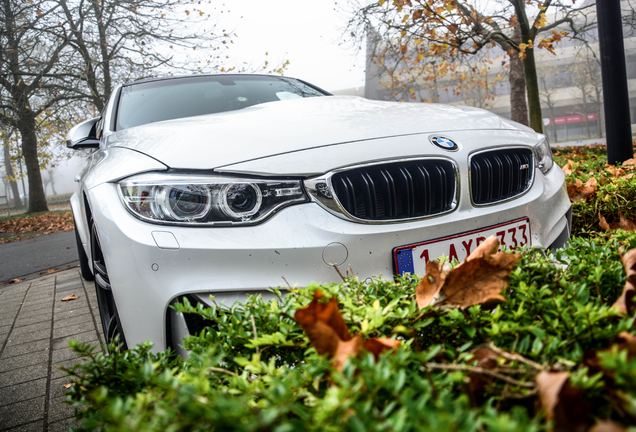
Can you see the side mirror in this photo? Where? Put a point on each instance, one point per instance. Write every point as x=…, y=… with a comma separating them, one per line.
x=83, y=135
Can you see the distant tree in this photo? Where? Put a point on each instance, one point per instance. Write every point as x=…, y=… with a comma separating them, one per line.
x=550, y=81
x=56, y=52
x=7, y=134
x=586, y=77
x=117, y=40
x=467, y=27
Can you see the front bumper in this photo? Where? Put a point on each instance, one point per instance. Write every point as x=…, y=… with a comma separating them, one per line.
x=151, y=265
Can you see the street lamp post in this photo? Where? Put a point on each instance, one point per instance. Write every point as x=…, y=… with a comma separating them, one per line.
x=614, y=75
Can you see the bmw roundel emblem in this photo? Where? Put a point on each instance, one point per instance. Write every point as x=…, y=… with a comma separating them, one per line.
x=443, y=142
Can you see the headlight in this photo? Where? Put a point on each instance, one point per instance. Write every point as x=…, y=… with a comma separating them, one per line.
x=206, y=201
x=543, y=155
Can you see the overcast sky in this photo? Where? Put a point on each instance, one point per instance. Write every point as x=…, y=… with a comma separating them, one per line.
x=305, y=32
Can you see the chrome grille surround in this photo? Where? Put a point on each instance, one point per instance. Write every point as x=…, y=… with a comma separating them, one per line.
x=323, y=190
x=505, y=166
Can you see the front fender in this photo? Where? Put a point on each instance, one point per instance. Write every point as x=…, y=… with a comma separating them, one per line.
x=115, y=163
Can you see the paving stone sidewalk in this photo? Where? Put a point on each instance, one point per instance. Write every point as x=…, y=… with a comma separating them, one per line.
x=35, y=327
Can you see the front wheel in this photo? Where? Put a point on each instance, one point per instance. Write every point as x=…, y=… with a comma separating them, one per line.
x=111, y=323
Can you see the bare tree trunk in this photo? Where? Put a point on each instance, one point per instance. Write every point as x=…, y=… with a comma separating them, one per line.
x=528, y=33
x=518, y=104
x=37, y=199
x=11, y=174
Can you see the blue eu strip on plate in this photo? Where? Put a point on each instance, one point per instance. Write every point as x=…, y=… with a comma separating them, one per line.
x=405, y=261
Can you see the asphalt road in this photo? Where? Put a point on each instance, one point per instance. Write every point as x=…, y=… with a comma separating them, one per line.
x=37, y=254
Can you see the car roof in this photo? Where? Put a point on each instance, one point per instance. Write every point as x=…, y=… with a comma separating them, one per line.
x=164, y=78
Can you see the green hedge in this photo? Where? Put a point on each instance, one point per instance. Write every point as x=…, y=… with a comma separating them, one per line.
x=253, y=369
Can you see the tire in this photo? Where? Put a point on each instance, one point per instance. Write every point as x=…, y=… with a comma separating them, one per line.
x=85, y=270
x=111, y=324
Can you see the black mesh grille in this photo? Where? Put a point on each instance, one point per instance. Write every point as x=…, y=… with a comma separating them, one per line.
x=500, y=174
x=397, y=190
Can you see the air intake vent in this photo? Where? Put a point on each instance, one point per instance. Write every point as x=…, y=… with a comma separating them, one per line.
x=501, y=174
x=399, y=190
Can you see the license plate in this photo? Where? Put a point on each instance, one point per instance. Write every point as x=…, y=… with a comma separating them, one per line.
x=413, y=258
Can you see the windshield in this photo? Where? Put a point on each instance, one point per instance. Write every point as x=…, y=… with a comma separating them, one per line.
x=192, y=96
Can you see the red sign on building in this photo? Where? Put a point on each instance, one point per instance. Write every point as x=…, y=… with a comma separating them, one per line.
x=572, y=118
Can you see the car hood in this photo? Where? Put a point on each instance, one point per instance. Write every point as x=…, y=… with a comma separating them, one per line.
x=276, y=128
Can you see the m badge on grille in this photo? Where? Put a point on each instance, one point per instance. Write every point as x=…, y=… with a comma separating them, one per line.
x=443, y=142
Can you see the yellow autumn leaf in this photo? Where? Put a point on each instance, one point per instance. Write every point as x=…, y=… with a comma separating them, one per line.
x=541, y=21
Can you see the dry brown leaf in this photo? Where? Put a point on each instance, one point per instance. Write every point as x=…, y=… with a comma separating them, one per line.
x=485, y=248
x=622, y=341
x=40, y=224
x=626, y=341
x=324, y=326
x=607, y=426
x=67, y=385
x=578, y=190
x=564, y=405
x=616, y=172
x=487, y=359
x=430, y=284
x=346, y=349
x=14, y=281
x=377, y=346
x=479, y=281
x=631, y=161
x=567, y=168
x=603, y=222
x=625, y=302
x=624, y=224
x=53, y=270
x=70, y=297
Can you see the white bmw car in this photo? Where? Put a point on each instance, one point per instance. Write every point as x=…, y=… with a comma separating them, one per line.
x=228, y=185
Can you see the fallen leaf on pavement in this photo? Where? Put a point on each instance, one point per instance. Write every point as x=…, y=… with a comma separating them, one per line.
x=37, y=225
x=564, y=405
x=69, y=298
x=14, y=281
x=67, y=385
x=53, y=270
